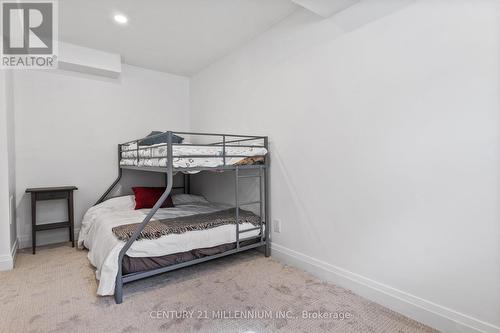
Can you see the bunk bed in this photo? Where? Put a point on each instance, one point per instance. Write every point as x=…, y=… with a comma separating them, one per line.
x=168, y=152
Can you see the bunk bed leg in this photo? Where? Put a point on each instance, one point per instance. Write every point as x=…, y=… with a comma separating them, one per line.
x=266, y=201
x=119, y=283
x=119, y=288
x=237, y=204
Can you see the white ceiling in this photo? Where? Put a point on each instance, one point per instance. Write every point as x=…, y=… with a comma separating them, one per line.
x=174, y=36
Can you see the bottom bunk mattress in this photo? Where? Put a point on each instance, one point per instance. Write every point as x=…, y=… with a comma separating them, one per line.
x=96, y=234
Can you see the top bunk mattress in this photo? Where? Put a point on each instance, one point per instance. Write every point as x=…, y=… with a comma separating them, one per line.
x=156, y=155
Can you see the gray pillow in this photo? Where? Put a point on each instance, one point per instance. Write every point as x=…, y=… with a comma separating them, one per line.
x=160, y=137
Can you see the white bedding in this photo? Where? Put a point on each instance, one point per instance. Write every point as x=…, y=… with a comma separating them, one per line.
x=97, y=236
x=155, y=155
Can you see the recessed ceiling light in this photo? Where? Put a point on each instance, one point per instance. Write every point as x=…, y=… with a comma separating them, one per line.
x=120, y=18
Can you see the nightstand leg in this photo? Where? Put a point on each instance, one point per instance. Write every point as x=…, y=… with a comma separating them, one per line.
x=71, y=219
x=33, y=221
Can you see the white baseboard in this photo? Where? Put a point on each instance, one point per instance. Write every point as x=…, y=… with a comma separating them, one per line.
x=47, y=237
x=424, y=311
x=7, y=261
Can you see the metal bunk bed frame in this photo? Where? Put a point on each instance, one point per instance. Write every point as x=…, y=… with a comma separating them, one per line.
x=262, y=240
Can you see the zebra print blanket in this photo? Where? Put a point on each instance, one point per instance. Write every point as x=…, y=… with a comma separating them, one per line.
x=178, y=225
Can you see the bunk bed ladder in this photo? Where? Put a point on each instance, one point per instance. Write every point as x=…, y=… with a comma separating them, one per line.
x=238, y=205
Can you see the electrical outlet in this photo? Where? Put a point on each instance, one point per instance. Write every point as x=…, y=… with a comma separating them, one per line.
x=277, y=225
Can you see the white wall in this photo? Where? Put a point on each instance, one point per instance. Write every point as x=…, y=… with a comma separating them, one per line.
x=11, y=152
x=4, y=179
x=384, y=126
x=67, y=128
x=7, y=173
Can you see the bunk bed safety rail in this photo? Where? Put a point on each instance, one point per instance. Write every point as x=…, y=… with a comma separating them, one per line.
x=223, y=141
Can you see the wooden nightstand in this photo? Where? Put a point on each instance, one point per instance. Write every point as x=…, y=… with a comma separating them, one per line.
x=52, y=193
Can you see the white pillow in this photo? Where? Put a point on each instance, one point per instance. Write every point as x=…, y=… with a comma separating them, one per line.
x=120, y=203
x=184, y=199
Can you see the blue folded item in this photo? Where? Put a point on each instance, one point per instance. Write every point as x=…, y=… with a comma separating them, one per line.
x=157, y=137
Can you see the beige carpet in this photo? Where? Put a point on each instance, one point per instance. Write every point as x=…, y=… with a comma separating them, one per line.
x=54, y=291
